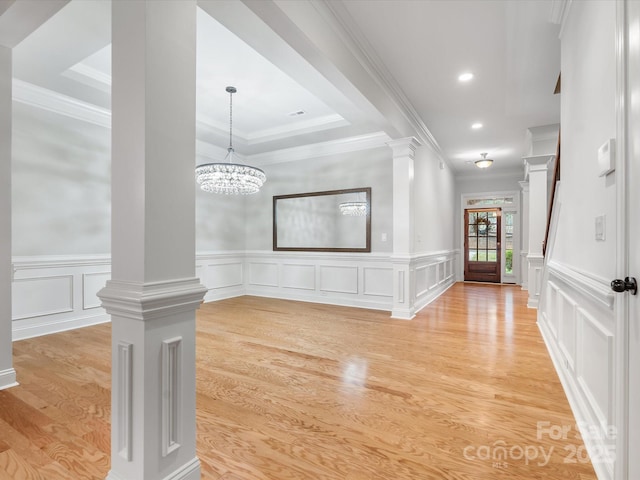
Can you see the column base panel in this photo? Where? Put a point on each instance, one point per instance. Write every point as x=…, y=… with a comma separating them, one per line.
x=189, y=471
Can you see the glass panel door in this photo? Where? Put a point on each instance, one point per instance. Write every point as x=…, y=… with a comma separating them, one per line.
x=482, y=245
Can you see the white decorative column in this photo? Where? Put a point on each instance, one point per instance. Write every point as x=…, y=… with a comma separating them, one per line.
x=536, y=174
x=153, y=294
x=7, y=373
x=403, y=227
x=524, y=246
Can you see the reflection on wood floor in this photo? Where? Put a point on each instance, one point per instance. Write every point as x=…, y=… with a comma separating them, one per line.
x=290, y=390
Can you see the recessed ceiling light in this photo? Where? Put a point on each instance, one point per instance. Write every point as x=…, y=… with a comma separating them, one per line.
x=297, y=113
x=465, y=77
x=476, y=126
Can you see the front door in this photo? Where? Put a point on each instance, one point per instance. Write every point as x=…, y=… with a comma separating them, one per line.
x=482, y=245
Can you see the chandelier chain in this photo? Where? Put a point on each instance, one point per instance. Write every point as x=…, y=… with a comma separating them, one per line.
x=231, y=120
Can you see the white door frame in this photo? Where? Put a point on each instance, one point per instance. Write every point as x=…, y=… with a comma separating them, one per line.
x=509, y=207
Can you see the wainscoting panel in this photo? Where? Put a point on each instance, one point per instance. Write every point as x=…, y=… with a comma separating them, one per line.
x=568, y=331
x=356, y=280
x=298, y=276
x=41, y=296
x=52, y=294
x=263, y=274
x=595, y=366
x=377, y=281
x=433, y=273
x=339, y=279
x=222, y=273
x=577, y=321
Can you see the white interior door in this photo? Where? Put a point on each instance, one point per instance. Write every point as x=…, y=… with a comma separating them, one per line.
x=627, y=388
x=633, y=236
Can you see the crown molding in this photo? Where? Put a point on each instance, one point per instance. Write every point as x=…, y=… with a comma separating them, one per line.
x=39, y=97
x=342, y=22
x=241, y=137
x=49, y=100
x=89, y=76
x=314, y=150
x=559, y=13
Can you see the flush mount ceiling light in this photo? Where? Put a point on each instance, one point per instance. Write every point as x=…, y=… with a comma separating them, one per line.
x=476, y=126
x=230, y=178
x=465, y=77
x=484, y=162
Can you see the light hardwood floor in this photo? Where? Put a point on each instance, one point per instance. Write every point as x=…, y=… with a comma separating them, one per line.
x=295, y=391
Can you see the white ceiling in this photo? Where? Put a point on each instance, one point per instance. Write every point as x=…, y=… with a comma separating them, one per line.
x=510, y=46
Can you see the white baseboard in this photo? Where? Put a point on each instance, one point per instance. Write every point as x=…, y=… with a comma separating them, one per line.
x=434, y=294
x=326, y=300
x=189, y=471
x=8, y=378
x=47, y=325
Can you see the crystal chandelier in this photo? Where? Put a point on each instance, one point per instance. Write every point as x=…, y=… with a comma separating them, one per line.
x=354, y=209
x=229, y=178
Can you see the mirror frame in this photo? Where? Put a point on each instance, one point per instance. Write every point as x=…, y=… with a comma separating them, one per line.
x=366, y=249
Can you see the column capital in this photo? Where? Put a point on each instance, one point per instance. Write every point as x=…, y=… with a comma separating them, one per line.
x=150, y=301
x=537, y=163
x=404, y=147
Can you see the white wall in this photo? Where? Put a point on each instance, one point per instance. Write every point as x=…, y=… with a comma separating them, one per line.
x=434, y=203
x=61, y=184
x=367, y=168
x=576, y=312
x=588, y=121
x=220, y=220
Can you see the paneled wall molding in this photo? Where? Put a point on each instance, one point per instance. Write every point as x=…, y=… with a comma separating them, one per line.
x=57, y=293
x=348, y=279
x=535, y=267
x=577, y=320
x=594, y=287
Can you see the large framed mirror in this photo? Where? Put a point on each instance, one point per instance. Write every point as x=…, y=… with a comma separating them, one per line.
x=331, y=221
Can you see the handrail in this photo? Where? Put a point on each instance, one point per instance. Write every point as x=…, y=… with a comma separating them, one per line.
x=556, y=178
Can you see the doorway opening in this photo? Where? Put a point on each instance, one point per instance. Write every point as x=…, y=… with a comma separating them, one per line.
x=482, y=246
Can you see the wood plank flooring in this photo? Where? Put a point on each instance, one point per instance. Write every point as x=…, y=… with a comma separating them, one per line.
x=295, y=391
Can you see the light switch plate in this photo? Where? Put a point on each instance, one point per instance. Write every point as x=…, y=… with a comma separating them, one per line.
x=600, y=227
x=607, y=157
